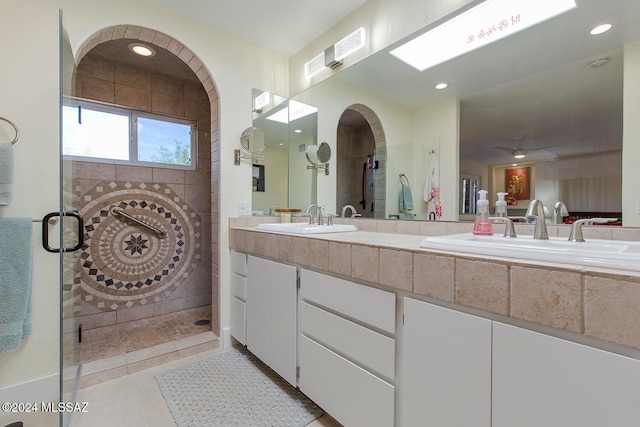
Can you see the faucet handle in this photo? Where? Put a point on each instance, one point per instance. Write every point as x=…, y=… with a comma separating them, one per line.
x=330, y=219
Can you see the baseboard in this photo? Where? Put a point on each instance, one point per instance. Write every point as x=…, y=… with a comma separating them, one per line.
x=45, y=389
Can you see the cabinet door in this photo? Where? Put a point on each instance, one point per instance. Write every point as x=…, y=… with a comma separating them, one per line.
x=238, y=320
x=445, y=367
x=271, y=315
x=351, y=394
x=540, y=380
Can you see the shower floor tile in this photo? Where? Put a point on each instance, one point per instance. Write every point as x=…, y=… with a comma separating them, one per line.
x=123, y=338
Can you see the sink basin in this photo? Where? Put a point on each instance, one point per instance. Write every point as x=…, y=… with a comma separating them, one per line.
x=304, y=228
x=617, y=254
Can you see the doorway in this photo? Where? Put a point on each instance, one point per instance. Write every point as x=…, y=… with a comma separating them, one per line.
x=128, y=289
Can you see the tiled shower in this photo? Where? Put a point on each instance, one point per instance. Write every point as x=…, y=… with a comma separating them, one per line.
x=125, y=275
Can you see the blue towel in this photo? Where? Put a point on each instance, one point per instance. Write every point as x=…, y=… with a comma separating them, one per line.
x=406, y=200
x=6, y=173
x=16, y=261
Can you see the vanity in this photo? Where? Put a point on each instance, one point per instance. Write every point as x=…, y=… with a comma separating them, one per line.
x=379, y=331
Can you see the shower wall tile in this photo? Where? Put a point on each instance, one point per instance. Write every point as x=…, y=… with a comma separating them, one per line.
x=100, y=90
x=134, y=77
x=133, y=313
x=132, y=97
x=195, y=92
x=96, y=67
x=163, y=84
x=93, y=171
x=133, y=173
x=165, y=104
x=168, y=176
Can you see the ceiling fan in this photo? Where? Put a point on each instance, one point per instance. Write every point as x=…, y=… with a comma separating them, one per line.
x=520, y=152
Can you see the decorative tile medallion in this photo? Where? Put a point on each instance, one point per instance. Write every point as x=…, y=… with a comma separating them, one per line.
x=124, y=264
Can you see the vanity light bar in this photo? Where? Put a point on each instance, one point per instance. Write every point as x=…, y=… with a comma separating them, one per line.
x=314, y=66
x=486, y=23
x=333, y=55
x=349, y=44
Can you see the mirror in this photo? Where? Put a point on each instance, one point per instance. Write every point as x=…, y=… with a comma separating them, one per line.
x=312, y=154
x=324, y=153
x=270, y=172
x=289, y=128
x=252, y=140
x=553, y=91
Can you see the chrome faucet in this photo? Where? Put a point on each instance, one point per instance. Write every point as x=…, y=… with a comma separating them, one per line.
x=536, y=210
x=559, y=210
x=354, y=213
x=318, y=212
x=509, y=229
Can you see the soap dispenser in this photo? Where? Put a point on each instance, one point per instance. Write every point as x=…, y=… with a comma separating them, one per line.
x=501, y=205
x=482, y=225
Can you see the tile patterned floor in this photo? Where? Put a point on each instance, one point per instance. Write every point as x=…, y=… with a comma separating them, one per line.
x=115, y=340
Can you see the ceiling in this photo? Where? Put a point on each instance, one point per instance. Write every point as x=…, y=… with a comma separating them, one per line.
x=284, y=26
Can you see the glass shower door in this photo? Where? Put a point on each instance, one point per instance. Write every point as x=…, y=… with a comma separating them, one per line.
x=71, y=230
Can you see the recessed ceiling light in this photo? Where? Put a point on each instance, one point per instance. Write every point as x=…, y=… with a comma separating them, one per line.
x=141, y=49
x=441, y=86
x=298, y=131
x=600, y=29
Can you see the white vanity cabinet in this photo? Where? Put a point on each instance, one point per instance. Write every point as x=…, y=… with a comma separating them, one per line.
x=445, y=374
x=539, y=380
x=271, y=314
x=347, y=349
x=238, y=296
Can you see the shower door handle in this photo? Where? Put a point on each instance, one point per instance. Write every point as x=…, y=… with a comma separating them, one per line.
x=45, y=232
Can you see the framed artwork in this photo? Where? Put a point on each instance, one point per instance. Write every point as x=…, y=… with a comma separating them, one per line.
x=258, y=177
x=517, y=183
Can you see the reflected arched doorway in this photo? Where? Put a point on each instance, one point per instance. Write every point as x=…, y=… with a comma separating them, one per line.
x=361, y=162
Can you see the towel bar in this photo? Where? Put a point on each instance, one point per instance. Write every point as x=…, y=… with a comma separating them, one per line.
x=14, y=128
x=161, y=234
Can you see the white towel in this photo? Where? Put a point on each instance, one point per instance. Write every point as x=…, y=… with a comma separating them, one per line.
x=6, y=173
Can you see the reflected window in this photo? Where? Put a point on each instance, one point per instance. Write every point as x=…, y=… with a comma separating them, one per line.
x=469, y=186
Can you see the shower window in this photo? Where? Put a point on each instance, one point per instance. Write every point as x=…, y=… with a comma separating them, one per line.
x=102, y=133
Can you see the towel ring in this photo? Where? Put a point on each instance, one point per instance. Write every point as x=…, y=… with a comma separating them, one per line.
x=14, y=128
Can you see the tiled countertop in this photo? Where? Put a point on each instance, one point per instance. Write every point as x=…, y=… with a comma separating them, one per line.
x=597, y=303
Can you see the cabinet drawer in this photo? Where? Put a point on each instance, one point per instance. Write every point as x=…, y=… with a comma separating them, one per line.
x=362, y=303
x=239, y=263
x=238, y=320
x=370, y=349
x=352, y=395
x=238, y=287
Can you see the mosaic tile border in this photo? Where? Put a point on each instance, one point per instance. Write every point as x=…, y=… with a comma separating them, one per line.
x=122, y=264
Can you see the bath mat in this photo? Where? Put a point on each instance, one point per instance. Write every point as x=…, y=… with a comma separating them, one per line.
x=234, y=389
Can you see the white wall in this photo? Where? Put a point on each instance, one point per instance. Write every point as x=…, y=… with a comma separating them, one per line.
x=29, y=96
